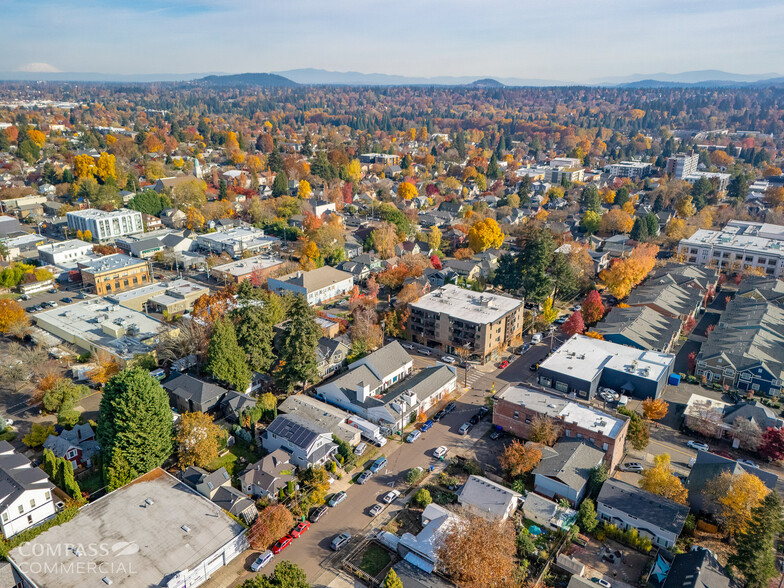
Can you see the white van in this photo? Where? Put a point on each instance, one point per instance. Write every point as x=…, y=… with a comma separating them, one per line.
x=537, y=338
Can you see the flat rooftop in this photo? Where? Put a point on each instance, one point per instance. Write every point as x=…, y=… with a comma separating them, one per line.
x=245, y=266
x=111, y=263
x=147, y=543
x=101, y=214
x=564, y=409
x=65, y=246
x=584, y=357
x=315, y=279
x=467, y=305
x=742, y=236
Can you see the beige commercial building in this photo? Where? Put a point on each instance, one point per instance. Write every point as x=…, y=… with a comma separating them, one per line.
x=114, y=273
x=452, y=317
x=173, y=297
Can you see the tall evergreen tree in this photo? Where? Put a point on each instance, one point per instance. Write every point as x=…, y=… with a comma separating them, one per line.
x=225, y=357
x=754, y=553
x=119, y=472
x=639, y=230
x=298, y=350
x=135, y=418
x=493, y=171
x=590, y=199
x=280, y=187
x=254, y=335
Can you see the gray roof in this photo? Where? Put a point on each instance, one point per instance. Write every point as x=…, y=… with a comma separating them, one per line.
x=193, y=476
x=18, y=475
x=190, y=388
x=696, y=569
x=755, y=411
x=662, y=512
x=487, y=496
x=235, y=402
x=685, y=275
x=109, y=263
x=321, y=413
x=761, y=288
x=641, y=325
x=315, y=279
x=232, y=500
x=267, y=473
x=675, y=299
x=298, y=430
x=570, y=462
x=387, y=359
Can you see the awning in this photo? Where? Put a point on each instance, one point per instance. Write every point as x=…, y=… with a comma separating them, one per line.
x=421, y=563
x=628, y=387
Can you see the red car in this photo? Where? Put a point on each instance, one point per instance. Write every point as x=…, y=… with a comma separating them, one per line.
x=282, y=544
x=503, y=364
x=300, y=528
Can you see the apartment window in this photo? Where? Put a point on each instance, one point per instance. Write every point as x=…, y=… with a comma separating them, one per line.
x=527, y=419
x=516, y=415
x=579, y=435
x=21, y=508
x=32, y=503
x=745, y=376
x=605, y=447
x=5, y=517
x=568, y=433
x=754, y=387
x=29, y=519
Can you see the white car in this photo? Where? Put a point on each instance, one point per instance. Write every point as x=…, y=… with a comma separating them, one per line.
x=376, y=510
x=408, y=345
x=440, y=452
x=448, y=359
x=424, y=351
x=602, y=582
x=390, y=497
x=632, y=466
x=747, y=462
x=413, y=436
x=261, y=561
x=698, y=446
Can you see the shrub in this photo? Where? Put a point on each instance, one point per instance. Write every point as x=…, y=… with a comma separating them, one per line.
x=414, y=475
x=423, y=498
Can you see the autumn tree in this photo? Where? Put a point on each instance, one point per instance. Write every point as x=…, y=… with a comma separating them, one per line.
x=660, y=480
x=772, y=444
x=655, y=408
x=106, y=366
x=392, y=580
x=549, y=312
x=304, y=190
x=748, y=433
x=197, y=440
x=84, y=166
x=309, y=255
x=517, y=459
x=735, y=497
x=544, y=430
x=485, y=234
x=492, y=566
x=191, y=193
x=105, y=168
x=272, y=523
x=592, y=308
x=684, y=207
x=591, y=222
x=12, y=315
x=434, y=238
x=639, y=433
x=406, y=191
x=755, y=549
x=383, y=240
x=616, y=221
x=574, y=325
x=625, y=274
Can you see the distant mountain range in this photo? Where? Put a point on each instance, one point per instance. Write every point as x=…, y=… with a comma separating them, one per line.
x=287, y=78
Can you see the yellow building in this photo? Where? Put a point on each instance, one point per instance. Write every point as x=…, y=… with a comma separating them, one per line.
x=114, y=273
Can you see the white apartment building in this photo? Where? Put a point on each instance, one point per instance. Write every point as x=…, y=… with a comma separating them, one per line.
x=682, y=165
x=104, y=225
x=737, y=246
x=629, y=169
x=65, y=252
x=26, y=499
x=722, y=180
x=316, y=285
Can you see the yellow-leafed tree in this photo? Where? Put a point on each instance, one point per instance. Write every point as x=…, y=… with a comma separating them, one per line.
x=198, y=439
x=655, y=408
x=84, y=166
x=105, y=168
x=37, y=137
x=735, y=497
x=484, y=235
x=406, y=190
x=660, y=480
x=304, y=190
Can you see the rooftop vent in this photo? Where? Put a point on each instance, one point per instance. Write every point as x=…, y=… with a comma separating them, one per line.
x=186, y=528
x=149, y=501
x=106, y=580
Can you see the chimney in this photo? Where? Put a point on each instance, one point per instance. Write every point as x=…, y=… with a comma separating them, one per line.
x=363, y=391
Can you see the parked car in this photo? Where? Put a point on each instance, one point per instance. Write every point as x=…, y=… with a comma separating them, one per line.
x=525, y=347
x=560, y=320
x=439, y=452
x=448, y=359
x=376, y=509
x=536, y=338
x=503, y=365
x=533, y=367
x=67, y=300
x=747, y=462
x=475, y=419
x=301, y=527
x=340, y=541
x=52, y=290
x=602, y=582
x=465, y=427
x=439, y=415
x=379, y=464
x=318, y=513
x=632, y=466
x=360, y=449
x=261, y=561
x=483, y=410
x=413, y=436
x=364, y=477
x=497, y=434
x=698, y=446
x=390, y=497
x=282, y=544
x=424, y=351
x=426, y=426
x=337, y=498
x=450, y=407
x=408, y=345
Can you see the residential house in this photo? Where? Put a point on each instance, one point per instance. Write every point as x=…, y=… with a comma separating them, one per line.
x=318, y=285
x=668, y=299
x=696, y=569
x=438, y=278
x=331, y=356
x=629, y=507
x=173, y=218
x=329, y=417
x=25, y=493
x=565, y=469
x=547, y=513
x=582, y=364
x=307, y=443
x=217, y=487
x=707, y=467
x=257, y=268
x=77, y=445
x=517, y=407
x=189, y=394
x=487, y=498
x=420, y=549
x=235, y=403
x=465, y=268
x=266, y=477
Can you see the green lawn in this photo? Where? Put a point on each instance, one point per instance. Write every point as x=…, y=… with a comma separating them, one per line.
x=91, y=482
x=229, y=461
x=374, y=560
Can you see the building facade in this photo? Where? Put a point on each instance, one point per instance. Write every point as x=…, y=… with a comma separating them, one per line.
x=452, y=318
x=27, y=493
x=317, y=286
x=103, y=225
x=114, y=273
x=681, y=165
x=629, y=169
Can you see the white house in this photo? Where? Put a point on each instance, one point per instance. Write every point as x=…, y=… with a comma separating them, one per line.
x=488, y=499
x=316, y=285
x=629, y=507
x=307, y=443
x=565, y=470
x=25, y=493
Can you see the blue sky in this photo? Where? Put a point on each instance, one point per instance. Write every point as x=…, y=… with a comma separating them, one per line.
x=562, y=39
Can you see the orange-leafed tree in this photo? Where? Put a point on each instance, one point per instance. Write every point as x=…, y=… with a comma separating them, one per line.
x=12, y=316
x=105, y=367
x=209, y=307
x=655, y=408
x=517, y=459
x=592, y=308
x=198, y=439
x=625, y=274
x=407, y=190
x=272, y=523
x=616, y=221
x=309, y=255
x=735, y=497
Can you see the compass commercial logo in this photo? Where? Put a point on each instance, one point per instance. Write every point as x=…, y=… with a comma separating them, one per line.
x=102, y=559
